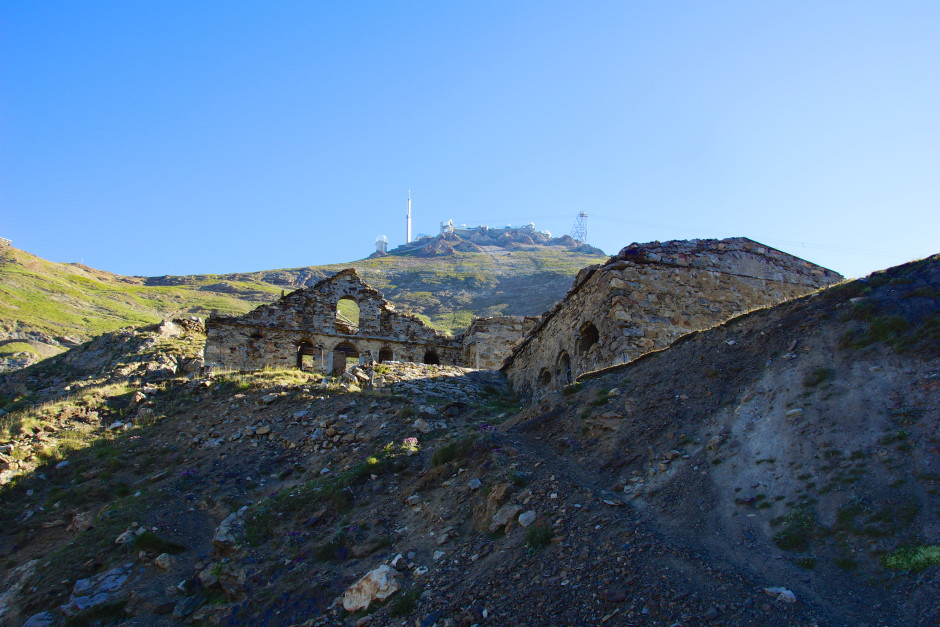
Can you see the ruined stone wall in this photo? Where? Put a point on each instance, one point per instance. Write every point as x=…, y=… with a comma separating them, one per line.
x=243, y=347
x=646, y=297
x=270, y=335
x=488, y=341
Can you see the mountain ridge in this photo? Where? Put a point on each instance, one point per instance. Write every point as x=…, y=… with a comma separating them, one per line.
x=47, y=306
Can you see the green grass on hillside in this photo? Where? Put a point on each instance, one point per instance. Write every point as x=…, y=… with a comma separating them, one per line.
x=61, y=299
x=444, y=292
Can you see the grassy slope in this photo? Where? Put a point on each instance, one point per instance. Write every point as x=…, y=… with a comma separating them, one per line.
x=71, y=299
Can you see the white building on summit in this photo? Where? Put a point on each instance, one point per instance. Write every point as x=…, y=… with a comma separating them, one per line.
x=448, y=226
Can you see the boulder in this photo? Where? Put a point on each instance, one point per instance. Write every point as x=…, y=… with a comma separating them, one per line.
x=42, y=619
x=527, y=518
x=225, y=535
x=101, y=589
x=376, y=585
x=503, y=516
x=192, y=365
x=168, y=328
x=164, y=561
x=483, y=513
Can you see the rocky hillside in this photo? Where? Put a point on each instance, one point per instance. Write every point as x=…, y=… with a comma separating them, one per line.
x=46, y=307
x=798, y=444
x=782, y=468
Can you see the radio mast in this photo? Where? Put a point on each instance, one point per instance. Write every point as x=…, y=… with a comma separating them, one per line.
x=579, y=230
x=408, y=221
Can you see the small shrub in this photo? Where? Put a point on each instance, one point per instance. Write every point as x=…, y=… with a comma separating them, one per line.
x=149, y=541
x=798, y=527
x=888, y=328
x=458, y=449
x=574, y=388
x=444, y=454
x=791, y=540
x=806, y=563
x=913, y=558
x=405, y=603
x=846, y=563
x=898, y=436
x=519, y=480
x=539, y=536
x=336, y=549
x=817, y=376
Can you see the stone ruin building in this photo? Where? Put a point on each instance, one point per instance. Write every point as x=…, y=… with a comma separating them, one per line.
x=488, y=341
x=308, y=329
x=641, y=300
x=647, y=296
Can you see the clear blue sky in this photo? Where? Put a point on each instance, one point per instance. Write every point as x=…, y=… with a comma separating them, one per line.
x=200, y=137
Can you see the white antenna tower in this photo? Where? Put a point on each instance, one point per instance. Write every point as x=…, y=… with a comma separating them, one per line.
x=579, y=230
x=408, y=223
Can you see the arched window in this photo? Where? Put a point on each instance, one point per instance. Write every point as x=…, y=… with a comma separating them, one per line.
x=545, y=377
x=385, y=354
x=344, y=355
x=430, y=357
x=587, y=337
x=305, y=353
x=347, y=316
x=563, y=370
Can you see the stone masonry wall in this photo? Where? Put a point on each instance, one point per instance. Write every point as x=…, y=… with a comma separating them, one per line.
x=646, y=297
x=274, y=334
x=488, y=341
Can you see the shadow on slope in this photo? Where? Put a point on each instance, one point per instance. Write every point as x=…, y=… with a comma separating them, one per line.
x=798, y=442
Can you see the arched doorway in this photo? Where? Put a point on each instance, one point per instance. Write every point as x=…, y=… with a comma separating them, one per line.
x=345, y=355
x=431, y=357
x=305, y=353
x=545, y=377
x=563, y=370
x=587, y=337
x=386, y=354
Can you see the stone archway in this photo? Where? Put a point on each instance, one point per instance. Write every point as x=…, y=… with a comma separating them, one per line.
x=545, y=377
x=587, y=337
x=386, y=354
x=563, y=370
x=305, y=353
x=342, y=355
x=431, y=357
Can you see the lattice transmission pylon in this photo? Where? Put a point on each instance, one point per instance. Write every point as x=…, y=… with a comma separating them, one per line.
x=579, y=230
